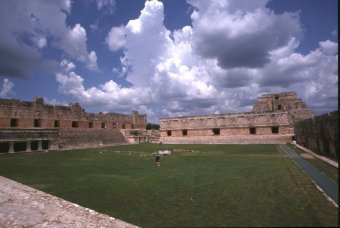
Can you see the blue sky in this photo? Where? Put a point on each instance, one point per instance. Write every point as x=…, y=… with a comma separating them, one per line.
x=171, y=57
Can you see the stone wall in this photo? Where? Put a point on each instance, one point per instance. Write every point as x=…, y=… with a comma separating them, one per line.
x=86, y=138
x=228, y=128
x=27, y=140
x=319, y=134
x=21, y=140
x=141, y=136
x=271, y=121
x=35, y=126
x=237, y=139
x=36, y=114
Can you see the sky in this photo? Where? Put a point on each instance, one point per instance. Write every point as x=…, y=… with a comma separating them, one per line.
x=169, y=58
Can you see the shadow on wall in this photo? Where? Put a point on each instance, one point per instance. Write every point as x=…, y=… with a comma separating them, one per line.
x=319, y=134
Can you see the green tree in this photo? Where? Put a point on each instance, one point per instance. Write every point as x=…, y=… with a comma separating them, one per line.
x=152, y=126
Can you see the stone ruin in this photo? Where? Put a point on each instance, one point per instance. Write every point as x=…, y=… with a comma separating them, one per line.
x=35, y=126
x=275, y=118
x=271, y=121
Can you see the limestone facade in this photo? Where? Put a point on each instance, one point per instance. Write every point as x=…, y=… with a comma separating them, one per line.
x=271, y=121
x=36, y=114
x=35, y=126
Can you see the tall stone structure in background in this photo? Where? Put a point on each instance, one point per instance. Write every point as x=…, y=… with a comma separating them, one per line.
x=288, y=102
x=271, y=121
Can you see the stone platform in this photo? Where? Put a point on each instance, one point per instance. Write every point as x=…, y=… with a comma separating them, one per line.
x=23, y=206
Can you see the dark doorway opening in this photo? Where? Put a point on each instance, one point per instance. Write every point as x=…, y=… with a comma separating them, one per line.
x=275, y=130
x=37, y=123
x=34, y=145
x=252, y=131
x=19, y=146
x=4, y=147
x=45, y=144
x=168, y=133
x=14, y=122
x=75, y=124
x=184, y=132
x=56, y=123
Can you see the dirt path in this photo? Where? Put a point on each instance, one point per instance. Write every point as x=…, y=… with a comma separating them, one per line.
x=23, y=206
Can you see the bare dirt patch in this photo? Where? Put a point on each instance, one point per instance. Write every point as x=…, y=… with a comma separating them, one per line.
x=306, y=155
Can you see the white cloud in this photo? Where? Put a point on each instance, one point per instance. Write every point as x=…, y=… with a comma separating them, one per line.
x=40, y=41
x=107, y=95
x=329, y=47
x=40, y=21
x=116, y=38
x=92, y=63
x=6, y=90
x=67, y=65
x=181, y=73
x=108, y=6
x=243, y=37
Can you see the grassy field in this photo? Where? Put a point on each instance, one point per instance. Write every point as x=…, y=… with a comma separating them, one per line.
x=199, y=185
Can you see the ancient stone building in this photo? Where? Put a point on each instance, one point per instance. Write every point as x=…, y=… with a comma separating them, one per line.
x=26, y=126
x=271, y=121
x=287, y=101
x=319, y=134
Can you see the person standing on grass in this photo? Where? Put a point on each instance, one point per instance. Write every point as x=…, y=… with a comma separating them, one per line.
x=158, y=158
x=294, y=143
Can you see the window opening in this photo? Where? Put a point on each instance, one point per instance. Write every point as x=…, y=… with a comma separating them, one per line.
x=14, y=122
x=37, y=123
x=216, y=131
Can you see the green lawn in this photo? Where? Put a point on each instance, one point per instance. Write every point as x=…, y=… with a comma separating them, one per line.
x=199, y=185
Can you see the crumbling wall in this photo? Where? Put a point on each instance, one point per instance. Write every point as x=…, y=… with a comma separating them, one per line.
x=319, y=134
x=287, y=101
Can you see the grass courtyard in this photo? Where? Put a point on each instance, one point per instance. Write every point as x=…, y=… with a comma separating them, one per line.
x=199, y=185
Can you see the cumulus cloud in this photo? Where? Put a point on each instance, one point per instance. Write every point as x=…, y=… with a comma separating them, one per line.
x=295, y=68
x=107, y=95
x=242, y=37
x=204, y=69
x=6, y=90
x=116, y=38
x=32, y=19
x=67, y=65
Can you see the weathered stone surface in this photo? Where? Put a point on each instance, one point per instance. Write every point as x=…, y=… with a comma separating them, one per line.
x=85, y=138
x=141, y=136
x=22, y=206
x=239, y=139
x=35, y=126
x=320, y=134
x=288, y=101
x=271, y=121
x=57, y=116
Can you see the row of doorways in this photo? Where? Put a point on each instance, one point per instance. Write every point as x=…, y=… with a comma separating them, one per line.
x=20, y=146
